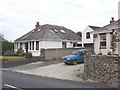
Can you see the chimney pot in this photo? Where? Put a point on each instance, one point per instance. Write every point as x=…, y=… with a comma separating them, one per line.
x=37, y=25
x=112, y=20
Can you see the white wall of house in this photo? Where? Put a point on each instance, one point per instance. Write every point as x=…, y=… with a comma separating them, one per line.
x=34, y=52
x=50, y=44
x=108, y=44
x=42, y=44
x=84, y=39
x=54, y=44
x=97, y=44
x=118, y=44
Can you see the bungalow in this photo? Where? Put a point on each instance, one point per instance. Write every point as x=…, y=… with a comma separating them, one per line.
x=46, y=36
x=87, y=36
x=107, y=38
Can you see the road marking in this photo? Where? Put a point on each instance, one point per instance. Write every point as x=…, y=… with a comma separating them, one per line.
x=11, y=86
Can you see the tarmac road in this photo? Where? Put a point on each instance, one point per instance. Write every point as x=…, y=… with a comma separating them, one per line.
x=19, y=81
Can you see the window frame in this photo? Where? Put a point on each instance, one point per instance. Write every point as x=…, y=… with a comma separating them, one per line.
x=87, y=35
x=64, y=44
x=103, y=41
x=37, y=45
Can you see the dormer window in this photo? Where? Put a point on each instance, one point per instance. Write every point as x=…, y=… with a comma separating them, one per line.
x=87, y=35
x=39, y=29
x=62, y=31
x=33, y=30
x=55, y=30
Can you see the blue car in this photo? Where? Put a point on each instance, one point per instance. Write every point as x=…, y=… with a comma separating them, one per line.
x=76, y=57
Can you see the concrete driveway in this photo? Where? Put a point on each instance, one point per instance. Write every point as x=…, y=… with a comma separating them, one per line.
x=59, y=70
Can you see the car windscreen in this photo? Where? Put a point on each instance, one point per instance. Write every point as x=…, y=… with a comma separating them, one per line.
x=75, y=53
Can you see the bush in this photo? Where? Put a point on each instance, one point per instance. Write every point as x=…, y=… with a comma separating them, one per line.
x=28, y=55
x=10, y=53
x=99, y=53
x=20, y=52
x=109, y=53
x=6, y=45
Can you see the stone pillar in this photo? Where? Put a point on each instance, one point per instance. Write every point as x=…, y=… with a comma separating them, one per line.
x=82, y=44
x=28, y=46
x=23, y=47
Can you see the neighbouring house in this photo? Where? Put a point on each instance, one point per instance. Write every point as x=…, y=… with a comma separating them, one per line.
x=107, y=38
x=87, y=36
x=46, y=36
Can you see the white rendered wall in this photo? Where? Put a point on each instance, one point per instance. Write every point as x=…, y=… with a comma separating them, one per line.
x=34, y=52
x=50, y=44
x=84, y=40
x=97, y=44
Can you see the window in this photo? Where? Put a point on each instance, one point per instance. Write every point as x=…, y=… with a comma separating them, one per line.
x=39, y=29
x=30, y=45
x=33, y=45
x=21, y=45
x=16, y=45
x=103, y=37
x=55, y=30
x=33, y=31
x=37, y=45
x=62, y=31
x=64, y=44
x=103, y=41
x=75, y=52
x=87, y=35
x=75, y=44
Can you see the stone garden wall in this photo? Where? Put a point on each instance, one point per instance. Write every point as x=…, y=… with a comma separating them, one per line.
x=105, y=69
x=56, y=53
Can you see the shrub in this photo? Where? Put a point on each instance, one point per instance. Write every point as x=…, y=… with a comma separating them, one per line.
x=10, y=53
x=20, y=52
x=6, y=45
x=109, y=53
x=28, y=55
x=99, y=53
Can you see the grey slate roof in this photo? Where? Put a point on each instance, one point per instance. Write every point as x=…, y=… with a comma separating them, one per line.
x=47, y=32
x=113, y=25
x=94, y=27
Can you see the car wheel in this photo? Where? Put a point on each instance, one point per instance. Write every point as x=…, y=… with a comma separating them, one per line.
x=66, y=63
x=74, y=62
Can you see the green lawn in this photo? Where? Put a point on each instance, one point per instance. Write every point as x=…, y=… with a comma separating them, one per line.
x=11, y=58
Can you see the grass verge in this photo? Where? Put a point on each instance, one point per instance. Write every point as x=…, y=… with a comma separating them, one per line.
x=11, y=58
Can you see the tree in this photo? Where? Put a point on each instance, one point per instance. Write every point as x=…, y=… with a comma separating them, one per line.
x=2, y=37
x=114, y=38
x=6, y=45
x=79, y=33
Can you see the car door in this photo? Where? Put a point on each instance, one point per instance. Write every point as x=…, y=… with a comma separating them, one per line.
x=81, y=56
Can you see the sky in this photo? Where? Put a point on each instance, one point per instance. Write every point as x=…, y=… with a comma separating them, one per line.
x=17, y=17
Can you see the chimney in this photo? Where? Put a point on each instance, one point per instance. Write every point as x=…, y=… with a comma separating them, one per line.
x=112, y=20
x=37, y=25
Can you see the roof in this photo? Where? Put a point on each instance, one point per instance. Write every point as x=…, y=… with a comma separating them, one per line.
x=94, y=27
x=51, y=33
x=113, y=25
x=85, y=50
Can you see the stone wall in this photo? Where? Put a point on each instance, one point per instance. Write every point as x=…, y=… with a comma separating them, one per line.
x=55, y=54
x=105, y=69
